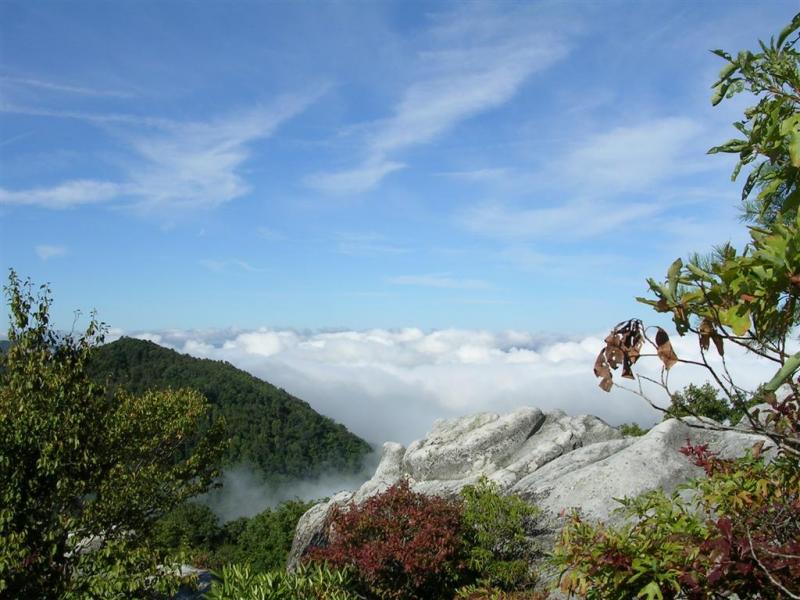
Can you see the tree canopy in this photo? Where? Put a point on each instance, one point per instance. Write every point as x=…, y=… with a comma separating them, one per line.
x=280, y=435
x=86, y=475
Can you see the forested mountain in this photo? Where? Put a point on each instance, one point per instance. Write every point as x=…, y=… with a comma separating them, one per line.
x=276, y=432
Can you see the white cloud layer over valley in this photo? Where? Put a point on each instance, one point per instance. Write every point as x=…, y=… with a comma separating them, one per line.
x=392, y=384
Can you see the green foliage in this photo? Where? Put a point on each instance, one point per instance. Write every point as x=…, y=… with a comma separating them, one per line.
x=749, y=298
x=265, y=540
x=497, y=537
x=405, y=545
x=190, y=528
x=261, y=543
x=487, y=592
x=279, y=434
x=632, y=430
x=85, y=474
x=738, y=533
x=701, y=400
x=770, y=130
x=316, y=582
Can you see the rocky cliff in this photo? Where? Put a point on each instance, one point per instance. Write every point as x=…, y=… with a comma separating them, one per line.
x=548, y=458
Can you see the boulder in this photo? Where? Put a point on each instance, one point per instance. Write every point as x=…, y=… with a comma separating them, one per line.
x=551, y=459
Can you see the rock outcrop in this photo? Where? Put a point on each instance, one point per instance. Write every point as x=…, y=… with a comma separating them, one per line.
x=551, y=459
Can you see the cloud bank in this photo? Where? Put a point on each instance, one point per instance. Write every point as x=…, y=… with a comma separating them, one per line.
x=392, y=384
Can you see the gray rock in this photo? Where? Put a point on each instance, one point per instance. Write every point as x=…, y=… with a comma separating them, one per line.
x=310, y=529
x=591, y=477
x=552, y=459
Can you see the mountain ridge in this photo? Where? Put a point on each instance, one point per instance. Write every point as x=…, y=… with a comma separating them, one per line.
x=278, y=433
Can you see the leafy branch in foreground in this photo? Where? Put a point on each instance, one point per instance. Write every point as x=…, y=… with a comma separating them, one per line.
x=85, y=476
x=737, y=531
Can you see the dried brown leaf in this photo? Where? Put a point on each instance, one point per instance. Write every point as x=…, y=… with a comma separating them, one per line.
x=614, y=356
x=758, y=447
x=627, y=373
x=717, y=339
x=602, y=370
x=706, y=330
x=664, y=349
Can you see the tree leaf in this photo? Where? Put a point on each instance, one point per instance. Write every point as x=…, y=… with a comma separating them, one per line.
x=664, y=349
x=737, y=318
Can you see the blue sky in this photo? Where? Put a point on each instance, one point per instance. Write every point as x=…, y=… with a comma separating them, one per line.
x=356, y=165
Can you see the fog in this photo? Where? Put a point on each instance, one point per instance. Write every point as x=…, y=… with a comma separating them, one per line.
x=392, y=384
x=244, y=493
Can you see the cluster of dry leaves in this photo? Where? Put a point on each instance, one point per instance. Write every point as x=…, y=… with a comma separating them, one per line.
x=623, y=348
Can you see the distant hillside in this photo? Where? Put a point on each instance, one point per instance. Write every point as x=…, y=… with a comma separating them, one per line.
x=269, y=427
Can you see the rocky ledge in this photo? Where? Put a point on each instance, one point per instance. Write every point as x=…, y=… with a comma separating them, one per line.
x=551, y=459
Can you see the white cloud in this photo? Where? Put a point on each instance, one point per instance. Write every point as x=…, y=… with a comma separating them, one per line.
x=464, y=70
x=574, y=220
x=225, y=265
x=173, y=166
x=358, y=179
x=438, y=280
x=594, y=181
x=65, y=195
x=367, y=244
x=65, y=88
x=47, y=251
x=634, y=157
x=392, y=385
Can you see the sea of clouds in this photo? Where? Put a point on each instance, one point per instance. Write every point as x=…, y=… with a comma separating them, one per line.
x=393, y=384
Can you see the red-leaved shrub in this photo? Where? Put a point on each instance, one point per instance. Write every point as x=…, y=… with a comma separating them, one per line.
x=402, y=544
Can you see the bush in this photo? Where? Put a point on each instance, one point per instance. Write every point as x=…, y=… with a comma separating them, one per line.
x=497, y=537
x=632, y=430
x=740, y=534
x=401, y=544
x=84, y=476
x=189, y=527
x=192, y=532
x=316, y=582
x=265, y=539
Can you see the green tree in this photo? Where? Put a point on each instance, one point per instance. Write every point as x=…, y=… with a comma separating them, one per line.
x=738, y=531
x=749, y=298
x=498, y=537
x=84, y=475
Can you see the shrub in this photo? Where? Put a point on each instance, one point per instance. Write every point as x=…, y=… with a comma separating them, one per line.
x=190, y=526
x=401, y=544
x=497, y=537
x=265, y=540
x=740, y=534
x=317, y=582
x=192, y=532
x=84, y=476
x=632, y=430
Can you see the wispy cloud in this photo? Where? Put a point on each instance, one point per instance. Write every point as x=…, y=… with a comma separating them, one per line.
x=575, y=220
x=236, y=264
x=634, y=157
x=97, y=118
x=590, y=189
x=438, y=280
x=270, y=234
x=47, y=251
x=173, y=166
x=465, y=70
x=356, y=180
x=65, y=88
x=367, y=244
x=490, y=175
x=65, y=195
